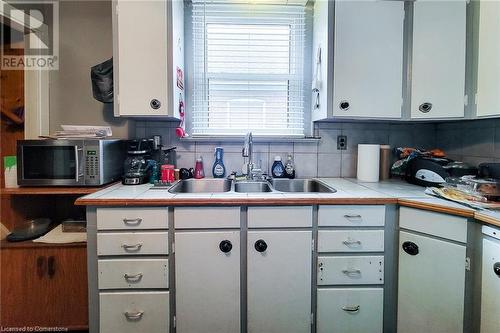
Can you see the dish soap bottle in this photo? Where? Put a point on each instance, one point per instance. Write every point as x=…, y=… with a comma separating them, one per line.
x=290, y=168
x=278, y=170
x=219, y=170
x=199, y=173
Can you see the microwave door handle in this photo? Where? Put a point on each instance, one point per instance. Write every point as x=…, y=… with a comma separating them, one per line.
x=77, y=164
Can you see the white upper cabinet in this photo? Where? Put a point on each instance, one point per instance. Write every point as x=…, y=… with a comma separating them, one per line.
x=368, y=59
x=148, y=38
x=438, y=59
x=488, y=77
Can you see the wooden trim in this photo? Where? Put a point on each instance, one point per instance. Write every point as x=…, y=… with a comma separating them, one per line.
x=487, y=219
x=436, y=208
x=235, y=202
x=51, y=190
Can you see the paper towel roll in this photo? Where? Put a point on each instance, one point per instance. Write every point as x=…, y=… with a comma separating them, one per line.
x=368, y=163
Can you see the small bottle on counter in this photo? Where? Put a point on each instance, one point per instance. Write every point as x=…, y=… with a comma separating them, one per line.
x=218, y=169
x=289, y=167
x=199, y=173
x=155, y=174
x=278, y=170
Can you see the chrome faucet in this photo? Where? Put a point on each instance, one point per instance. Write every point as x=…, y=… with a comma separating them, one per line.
x=248, y=152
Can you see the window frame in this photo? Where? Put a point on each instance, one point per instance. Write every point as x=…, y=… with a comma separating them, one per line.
x=306, y=78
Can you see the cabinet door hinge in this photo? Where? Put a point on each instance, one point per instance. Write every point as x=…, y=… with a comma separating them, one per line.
x=476, y=98
x=175, y=322
x=466, y=100
x=467, y=264
x=312, y=318
x=312, y=245
x=173, y=247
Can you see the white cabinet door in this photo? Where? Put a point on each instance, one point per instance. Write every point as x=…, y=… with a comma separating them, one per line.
x=431, y=285
x=368, y=59
x=438, y=59
x=279, y=281
x=207, y=275
x=140, y=58
x=488, y=77
x=490, y=287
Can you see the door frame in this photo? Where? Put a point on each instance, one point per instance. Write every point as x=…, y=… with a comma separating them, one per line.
x=36, y=82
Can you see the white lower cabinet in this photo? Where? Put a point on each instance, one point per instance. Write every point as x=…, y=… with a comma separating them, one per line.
x=279, y=281
x=133, y=312
x=207, y=273
x=490, y=299
x=431, y=284
x=350, y=310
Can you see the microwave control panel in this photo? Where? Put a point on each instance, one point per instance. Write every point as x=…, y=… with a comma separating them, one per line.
x=91, y=165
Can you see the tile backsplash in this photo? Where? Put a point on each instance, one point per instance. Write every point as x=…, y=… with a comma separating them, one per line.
x=471, y=141
x=312, y=159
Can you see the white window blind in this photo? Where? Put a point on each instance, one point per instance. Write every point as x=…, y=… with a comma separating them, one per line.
x=248, y=68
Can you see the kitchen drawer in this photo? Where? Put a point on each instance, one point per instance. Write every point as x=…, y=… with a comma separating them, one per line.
x=132, y=243
x=435, y=224
x=207, y=217
x=147, y=312
x=133, y=273
x=350, y=310
x=132, y=218
x=350, y=270
x=351, y=216
x=351, y=241
x=280, y=217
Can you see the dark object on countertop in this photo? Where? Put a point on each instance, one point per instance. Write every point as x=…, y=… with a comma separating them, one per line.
x=185, y=173
x=489, y=170
x=432, y=171
x=31, y=229
x=101, y=76
x=137, y=169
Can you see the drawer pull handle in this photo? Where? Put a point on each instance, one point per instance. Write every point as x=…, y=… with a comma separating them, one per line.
x=132, y=248
x=134, y=315
x=352, y=216
x=349, y=242
x=132, y=221
x=133, y=277
x=351, y=271
x=351, y=308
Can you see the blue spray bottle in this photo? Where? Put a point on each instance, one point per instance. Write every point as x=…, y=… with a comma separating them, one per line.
x=219, y=170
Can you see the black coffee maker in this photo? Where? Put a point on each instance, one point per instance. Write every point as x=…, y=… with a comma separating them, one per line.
x=137, y=168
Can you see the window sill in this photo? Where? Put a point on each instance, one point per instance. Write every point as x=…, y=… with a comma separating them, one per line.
x=263, y=139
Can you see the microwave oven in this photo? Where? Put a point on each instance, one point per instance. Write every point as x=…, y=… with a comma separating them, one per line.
x=73, y=162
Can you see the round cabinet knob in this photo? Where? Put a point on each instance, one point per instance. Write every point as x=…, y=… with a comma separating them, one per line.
x=496, y=268
x=344, y=105
x=410, y=248
x=425, y=107
x=225, y=246
x=155, y=104
x=260, y=245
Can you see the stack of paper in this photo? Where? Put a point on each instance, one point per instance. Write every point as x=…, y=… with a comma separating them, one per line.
x=77, y=132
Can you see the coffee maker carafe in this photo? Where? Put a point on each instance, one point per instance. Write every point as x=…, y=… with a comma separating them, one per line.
x=137, y=167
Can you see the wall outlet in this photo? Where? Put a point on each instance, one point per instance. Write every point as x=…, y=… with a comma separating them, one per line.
x=341, y=142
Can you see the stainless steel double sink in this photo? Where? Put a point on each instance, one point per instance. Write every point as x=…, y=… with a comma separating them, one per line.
x=245, y=186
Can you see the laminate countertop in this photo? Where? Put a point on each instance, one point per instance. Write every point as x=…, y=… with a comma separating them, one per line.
x=349, y=192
